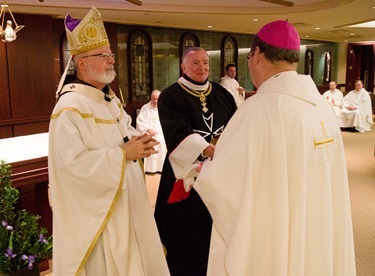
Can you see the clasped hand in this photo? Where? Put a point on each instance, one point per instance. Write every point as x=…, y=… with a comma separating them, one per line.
x=140, y=147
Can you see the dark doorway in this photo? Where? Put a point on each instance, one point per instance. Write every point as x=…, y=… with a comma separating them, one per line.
x=360, y=65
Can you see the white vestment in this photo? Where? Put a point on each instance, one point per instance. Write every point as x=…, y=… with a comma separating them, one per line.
x=361, y=118
x=148, y=118
x=277, y=187
x=334, y=98
x=102, y=219
x=232, y=86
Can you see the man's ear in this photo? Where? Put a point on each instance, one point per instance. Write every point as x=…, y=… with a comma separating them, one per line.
x=256, y=55
x=182, y=67
x=80, y=63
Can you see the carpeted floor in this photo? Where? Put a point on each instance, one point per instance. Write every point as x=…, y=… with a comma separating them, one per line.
x=359, y=148
x=152, y=185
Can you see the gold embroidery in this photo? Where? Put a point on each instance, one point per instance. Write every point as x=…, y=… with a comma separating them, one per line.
x=107, y=217
x=103, y=121
x=200, y=94
x=326, y=139
x=83, y=115
x=86, y=116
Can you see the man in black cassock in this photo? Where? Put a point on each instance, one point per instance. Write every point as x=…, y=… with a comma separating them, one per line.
x=193, y=113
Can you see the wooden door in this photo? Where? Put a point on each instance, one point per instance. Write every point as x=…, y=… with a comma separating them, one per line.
x=360, y=65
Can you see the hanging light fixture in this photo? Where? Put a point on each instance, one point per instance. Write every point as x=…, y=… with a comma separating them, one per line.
x=8, y=34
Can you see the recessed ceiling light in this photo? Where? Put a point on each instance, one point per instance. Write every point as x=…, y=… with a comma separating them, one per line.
x=255, y=19
x=317, y=28
x=209, y=26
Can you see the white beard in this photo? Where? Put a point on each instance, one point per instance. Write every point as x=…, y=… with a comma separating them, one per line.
x=107, y=77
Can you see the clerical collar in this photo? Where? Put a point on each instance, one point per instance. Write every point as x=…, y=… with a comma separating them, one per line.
x=185, y=80
x=105, y=89
x=194, y=82
x=199, y=91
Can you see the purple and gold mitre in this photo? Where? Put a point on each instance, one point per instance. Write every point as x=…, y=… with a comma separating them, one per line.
x=86, y=34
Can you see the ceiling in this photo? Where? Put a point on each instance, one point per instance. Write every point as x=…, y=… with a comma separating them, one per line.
x=326, y=20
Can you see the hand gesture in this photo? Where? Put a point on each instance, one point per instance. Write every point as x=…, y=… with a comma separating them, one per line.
x=241, y=90
x=140, y=147
x=209, y=151
x=152, y=132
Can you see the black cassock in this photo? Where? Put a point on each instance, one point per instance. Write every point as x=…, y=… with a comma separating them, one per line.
x=185, y=226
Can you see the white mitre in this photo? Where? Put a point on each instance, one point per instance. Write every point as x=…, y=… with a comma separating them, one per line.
x=83, y=35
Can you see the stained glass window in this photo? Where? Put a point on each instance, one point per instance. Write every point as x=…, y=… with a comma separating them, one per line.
x=229, y=51
x=327, y=67
x=309, y=63
x=140, y=57
x=187, y=40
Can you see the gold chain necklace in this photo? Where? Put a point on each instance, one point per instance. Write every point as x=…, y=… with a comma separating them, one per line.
x=200, y=94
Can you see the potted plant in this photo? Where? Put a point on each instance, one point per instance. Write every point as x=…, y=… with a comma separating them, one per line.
x=23, y=244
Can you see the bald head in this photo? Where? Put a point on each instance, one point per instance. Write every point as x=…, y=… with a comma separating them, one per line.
x=154, y=98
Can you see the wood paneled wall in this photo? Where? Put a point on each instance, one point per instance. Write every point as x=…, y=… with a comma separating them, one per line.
x=30, y=70
x=5, y=108
x=28, y=83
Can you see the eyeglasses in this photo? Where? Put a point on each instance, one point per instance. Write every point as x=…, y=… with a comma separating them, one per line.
x=248, y=55
x=103, y=56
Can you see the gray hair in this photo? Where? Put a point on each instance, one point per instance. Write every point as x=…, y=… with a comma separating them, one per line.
x=190, y=49
x=274, y=54
x=155, y=91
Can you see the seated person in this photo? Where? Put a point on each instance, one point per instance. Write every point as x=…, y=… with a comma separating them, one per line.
x=356, y=112
x=334, y=97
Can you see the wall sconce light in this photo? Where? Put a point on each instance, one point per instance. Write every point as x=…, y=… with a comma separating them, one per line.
x=8, y=34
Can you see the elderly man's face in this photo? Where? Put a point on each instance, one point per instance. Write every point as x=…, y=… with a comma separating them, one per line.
x=100, y=69
x=154, y=99
x=196, y=65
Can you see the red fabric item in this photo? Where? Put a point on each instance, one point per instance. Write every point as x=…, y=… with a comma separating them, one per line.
x=178, y=192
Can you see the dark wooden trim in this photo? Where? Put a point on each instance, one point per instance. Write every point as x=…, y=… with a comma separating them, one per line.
x=322, y=88
x=22, y=121
x=30, y=177
x=29, y=172
x=359, y=61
